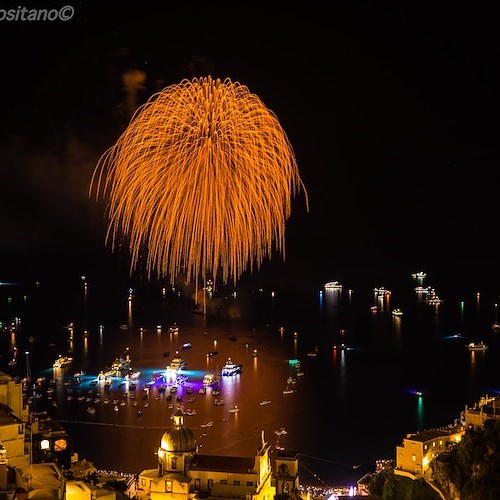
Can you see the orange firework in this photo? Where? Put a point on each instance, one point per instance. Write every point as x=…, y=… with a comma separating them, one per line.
x=201, y=180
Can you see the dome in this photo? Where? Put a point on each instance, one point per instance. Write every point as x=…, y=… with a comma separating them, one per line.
x=178, y=438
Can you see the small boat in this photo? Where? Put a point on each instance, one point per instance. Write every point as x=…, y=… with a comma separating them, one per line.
x=202, y=390
x=91, y=410
x=419, y=275
x=208, y=424
x=281, y=432
x=173, y=328
x=62, y=361
x=234, y=409
x=313, y=353
x=255, y=353
x=477, y=346
x=212, y=353
x=265, y=402
x=81, y=373
x=397, y=312
x=288, y=390
x=218, y=402
x=187, y=345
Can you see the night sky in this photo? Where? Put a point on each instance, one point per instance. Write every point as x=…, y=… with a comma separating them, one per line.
x=392, y=112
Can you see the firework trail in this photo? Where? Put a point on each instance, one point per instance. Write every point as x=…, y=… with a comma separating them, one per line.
x=201, y=181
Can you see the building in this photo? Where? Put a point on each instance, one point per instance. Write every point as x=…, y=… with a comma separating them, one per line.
x=485, y=409
x=13, y=418
x=287, y=473
x=419, y=449
x=183, y=473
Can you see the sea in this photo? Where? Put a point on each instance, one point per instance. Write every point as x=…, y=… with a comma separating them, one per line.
x=344, y=378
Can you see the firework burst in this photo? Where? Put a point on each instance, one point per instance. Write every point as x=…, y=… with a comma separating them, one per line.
x=201, y=181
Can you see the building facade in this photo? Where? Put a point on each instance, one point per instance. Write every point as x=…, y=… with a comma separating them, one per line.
x=417, y=450
x=183, y=473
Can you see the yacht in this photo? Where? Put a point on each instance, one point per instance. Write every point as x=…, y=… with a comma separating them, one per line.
x=333, y=285
x=477, y=346
x=210, y=379
x=419, y=275
x=120, y=365
x=230, y=368
x=177, y=363
x=265, y=402
x=62, y=361
x=397, y=312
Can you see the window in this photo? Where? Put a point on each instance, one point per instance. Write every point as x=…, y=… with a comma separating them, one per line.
x=223, y=481
x=236, y=483
x=249, y=483
x=434, y=443
x=286, y=488
x=210, y=483
x=425, y=447
x=197, y=484
x=174, y=463
x=414, y=458
x=168, y=486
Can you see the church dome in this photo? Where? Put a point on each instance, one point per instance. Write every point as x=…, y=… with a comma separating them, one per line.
x=178, y=438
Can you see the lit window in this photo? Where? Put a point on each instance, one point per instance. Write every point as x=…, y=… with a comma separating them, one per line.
x=174, y=462
x=236, y=483
x=45, y=444
x=168, y=487
x=223, y=481
x=434, y=443
x=414, y=458
x=425, y=447
x=60, y=445
x=440, y=443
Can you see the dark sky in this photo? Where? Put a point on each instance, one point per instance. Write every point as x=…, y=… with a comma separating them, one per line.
x=391, y=111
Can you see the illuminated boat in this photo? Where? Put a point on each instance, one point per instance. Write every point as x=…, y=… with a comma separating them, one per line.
x=397, y=312
x=177, y=363
x=477, y=346
x=173, y=328
x=230, y=368
x=62, y=361
x=265, y=402
x=210, y=379
x=119, y=366
x=281, y=432
x=132, y=375
x=433, y=298
x=419, y=275
x=333, y=285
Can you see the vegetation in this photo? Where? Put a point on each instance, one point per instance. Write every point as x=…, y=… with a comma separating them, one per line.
x=389, y=486
x=472, y=467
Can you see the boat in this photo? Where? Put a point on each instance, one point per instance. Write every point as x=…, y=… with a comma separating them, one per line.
x=477, y=346
x=281, y=432
x=397, y=312
x=62, y=361
x=187, y=345
x=120, y=365
x=288, y=390
x=132, y=375
x=419, y=275
x=230, y=368
x=254, y=353
x=333, y=285
x=91, y=410
x=202, y=390
x=177, y=363
x=173, y=328
x=212, y=353
x=81, y=373
x=234, y=409
x=313, y=353
x=265, y=402
x=218, y=402
x=208, y=424
x=210, y=379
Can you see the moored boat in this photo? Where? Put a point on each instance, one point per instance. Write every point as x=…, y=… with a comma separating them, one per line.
x=230, y=368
